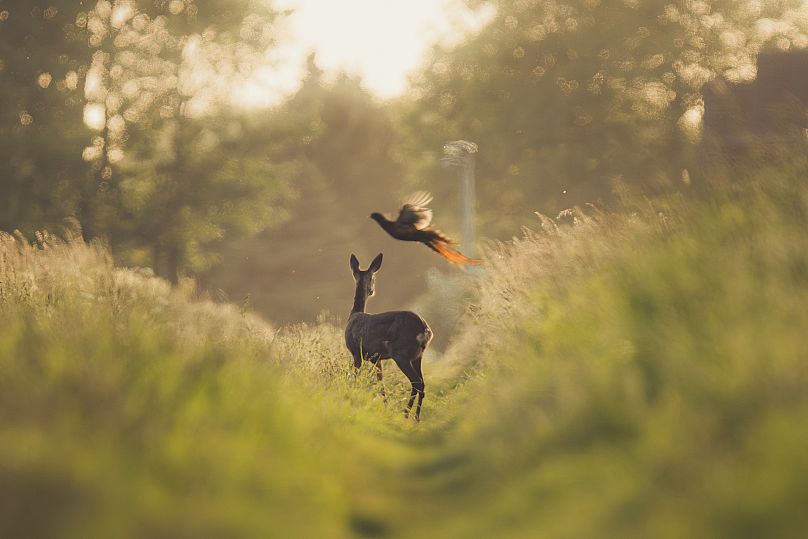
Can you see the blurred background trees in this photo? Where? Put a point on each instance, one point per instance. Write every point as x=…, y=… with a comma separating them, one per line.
x=337, y=143
x=129, y=117
x=43, y=56
x=570, y=99
x=121, y=118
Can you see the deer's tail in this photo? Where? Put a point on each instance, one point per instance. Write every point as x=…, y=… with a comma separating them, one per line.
x=453, y=256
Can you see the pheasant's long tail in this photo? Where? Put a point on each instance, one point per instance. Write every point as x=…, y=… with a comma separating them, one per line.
x=455, y=257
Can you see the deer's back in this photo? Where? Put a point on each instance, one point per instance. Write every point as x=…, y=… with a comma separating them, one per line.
x=387, y=334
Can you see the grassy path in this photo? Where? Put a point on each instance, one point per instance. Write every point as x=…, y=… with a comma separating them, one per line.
x=611, y=379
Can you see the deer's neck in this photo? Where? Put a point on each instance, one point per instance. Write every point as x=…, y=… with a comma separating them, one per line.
x=359, y=301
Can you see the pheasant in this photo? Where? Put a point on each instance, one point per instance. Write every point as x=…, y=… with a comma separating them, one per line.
x=413, y=224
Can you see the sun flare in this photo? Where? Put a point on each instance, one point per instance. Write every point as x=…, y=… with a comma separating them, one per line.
x=382, y=42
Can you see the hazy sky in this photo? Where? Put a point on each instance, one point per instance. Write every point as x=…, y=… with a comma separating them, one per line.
x=381, y=40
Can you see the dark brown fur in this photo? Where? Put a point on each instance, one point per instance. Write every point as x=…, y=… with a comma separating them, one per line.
x=402, y=336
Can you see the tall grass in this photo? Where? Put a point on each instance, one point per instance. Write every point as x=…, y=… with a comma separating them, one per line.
x=647, y=378
x=632, y=375
x=129, y=410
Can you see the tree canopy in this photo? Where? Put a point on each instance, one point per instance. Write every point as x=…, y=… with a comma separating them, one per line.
x=569, y=99
x=122, y=118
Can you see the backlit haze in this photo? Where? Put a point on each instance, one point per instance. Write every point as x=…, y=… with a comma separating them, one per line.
x=382, y=42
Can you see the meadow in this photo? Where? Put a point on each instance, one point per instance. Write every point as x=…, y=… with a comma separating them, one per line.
x=632, y=374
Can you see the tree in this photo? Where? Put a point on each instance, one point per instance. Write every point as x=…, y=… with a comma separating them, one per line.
x=337, y=144
x=43, y=57
x=568, y=98
x=122, y=118
x=160, y=85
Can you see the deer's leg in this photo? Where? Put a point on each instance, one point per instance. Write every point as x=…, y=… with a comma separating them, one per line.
x=417, y=385
x=409, y=402
x=379, y=377
x=421, y=386
x=357, y=360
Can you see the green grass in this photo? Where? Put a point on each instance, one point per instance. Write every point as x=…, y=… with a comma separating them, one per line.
x=632, y=375
x=653, y=384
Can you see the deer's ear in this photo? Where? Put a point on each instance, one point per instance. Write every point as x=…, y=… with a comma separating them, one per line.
x=376, y=264
x=354, y=264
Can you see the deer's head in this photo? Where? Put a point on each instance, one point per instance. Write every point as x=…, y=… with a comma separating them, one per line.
x=366, y=280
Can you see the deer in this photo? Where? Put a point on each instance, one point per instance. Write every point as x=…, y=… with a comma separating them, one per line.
x=402, y=336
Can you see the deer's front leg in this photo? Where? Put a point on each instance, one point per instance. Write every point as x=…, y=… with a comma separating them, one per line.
x=380, y=378
x=357, y=359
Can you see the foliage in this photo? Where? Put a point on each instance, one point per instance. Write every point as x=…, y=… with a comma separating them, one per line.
x=42, y=59
x=652, y=381
x=567, y=99
x=123, y=119
x=610, y=366
x=130, y=411
x=634, y=374
x=335, y=144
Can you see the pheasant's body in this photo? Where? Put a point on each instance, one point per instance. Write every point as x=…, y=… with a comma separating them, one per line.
x=413, y=224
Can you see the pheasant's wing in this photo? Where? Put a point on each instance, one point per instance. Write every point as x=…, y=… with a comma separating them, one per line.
x=414, y=211
x=419, y=218
x=420, y=199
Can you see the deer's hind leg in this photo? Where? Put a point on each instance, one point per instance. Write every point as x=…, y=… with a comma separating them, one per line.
x=412, y=370
x=422, y=386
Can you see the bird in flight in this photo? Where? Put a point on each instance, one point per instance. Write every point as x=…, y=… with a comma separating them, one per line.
x=413, y=224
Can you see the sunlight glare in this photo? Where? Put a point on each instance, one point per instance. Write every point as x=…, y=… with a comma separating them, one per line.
x=268, y=85
x=95, y=116
x=383, y=42
x=120, y=14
